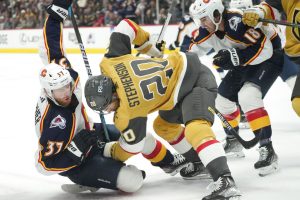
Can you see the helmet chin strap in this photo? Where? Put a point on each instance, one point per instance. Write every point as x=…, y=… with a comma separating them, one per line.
x=217, y=24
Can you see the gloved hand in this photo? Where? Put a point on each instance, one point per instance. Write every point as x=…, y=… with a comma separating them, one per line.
x=227, y=58
x=174, y=45
x=81, y=144
x=151, y=48
x=252, y=15
x=59, y=9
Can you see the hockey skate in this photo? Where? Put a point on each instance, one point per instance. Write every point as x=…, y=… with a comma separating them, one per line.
x=195, y=170
x=268, y=160
x=174, y=167
x=233, y=148
x=223, y=189
x=76, y=188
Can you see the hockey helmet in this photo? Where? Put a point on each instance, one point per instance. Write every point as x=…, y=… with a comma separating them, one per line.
x=207, y=8
x=52, y=77
x=98, y=92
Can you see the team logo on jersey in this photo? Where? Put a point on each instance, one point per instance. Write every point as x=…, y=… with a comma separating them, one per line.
x=234, y=22
x=58, y=121
x=296, y=20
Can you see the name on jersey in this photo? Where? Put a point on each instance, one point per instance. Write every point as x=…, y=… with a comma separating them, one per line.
x=128, y=85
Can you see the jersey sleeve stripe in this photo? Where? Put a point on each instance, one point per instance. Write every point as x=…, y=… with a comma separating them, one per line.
x=267, y=6
x=204, y=39
x=42, y=120
x=237, y=41
x=73, y=129
x=45, y=40
x=61, y=39
x=131, y=25
x=258, y=52
x=85, y=118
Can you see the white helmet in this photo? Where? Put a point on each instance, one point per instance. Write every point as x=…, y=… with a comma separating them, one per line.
x=52, y=77
x=240, y=4
x=206, y=8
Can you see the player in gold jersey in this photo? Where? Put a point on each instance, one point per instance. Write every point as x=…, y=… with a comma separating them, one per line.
x=270, y=10
x=179, y=87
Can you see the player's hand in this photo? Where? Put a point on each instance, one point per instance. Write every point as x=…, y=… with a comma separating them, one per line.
x=81, y=144
x=227, y=58
x=59, y=9
x=173, y=46
x=151, y=48
x=252, y=15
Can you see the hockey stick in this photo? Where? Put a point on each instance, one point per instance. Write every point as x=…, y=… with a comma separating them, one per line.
x=279, y=22
x=87, y=65
x=246, y=144
x=164, y=27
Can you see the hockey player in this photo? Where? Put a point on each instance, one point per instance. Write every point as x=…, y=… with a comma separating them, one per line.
x=254, y=60
x=270, y=9
x=186, y=31
x=69, y=145
x=180, y=87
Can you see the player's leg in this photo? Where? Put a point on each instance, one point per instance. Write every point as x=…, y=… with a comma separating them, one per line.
x=199, y=134
x=226, y=104
x=296, y=90
x=100, y=172
x=168, y=126
x=259, y=80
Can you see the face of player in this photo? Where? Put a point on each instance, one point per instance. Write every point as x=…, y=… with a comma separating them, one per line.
x=115, y=102
x=208, y=24
x=63, y=95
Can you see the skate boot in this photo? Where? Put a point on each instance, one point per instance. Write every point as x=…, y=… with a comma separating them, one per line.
x=268, y=160
x=174, y=167
x=243, y=122
x=233, y=148
x=223, y=189
x=195, y=170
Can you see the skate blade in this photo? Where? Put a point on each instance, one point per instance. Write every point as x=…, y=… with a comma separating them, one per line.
x=239, y=197
x=75, y=188
x=198, y=177
x=264, y=171
x=239, y=154
x=176, y=171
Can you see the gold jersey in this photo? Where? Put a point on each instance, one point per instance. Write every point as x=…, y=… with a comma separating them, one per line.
x=144, y=85
x=292, y=11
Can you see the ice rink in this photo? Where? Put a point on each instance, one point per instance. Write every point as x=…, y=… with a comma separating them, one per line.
x=18, y=142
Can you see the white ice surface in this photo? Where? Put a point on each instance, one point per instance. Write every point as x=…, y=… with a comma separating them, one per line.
x=19, y=180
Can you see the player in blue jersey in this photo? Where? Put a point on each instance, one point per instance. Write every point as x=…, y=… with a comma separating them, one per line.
x=254, y=58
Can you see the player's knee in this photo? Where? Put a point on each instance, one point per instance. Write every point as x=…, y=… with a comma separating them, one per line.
x=167, y=131
x=250, y=97
x=130, y=179
x=296, y=105
x=197, y=131
x=224, y=105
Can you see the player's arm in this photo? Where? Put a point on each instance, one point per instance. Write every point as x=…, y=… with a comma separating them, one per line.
x=259, y=49
x=127, y=33
x=270, y=9
x=202, y=42
x=131, y=142
x=52, y=48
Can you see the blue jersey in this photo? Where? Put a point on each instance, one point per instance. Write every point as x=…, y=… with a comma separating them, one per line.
x=256, y=45
x=56, y=125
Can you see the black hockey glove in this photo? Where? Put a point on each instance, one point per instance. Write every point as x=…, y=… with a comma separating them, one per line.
x=59, y=9
x=227, y=58
x=174, y=45
x=81, y=144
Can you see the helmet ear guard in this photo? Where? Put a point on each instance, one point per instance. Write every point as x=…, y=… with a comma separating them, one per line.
x=99, y=92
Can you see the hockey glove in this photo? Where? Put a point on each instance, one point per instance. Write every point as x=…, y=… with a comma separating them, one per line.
x=174, y=45
x=81, y=145
x=227, y=58
x=252, y=15
x=152, y=49
x=59, y=9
